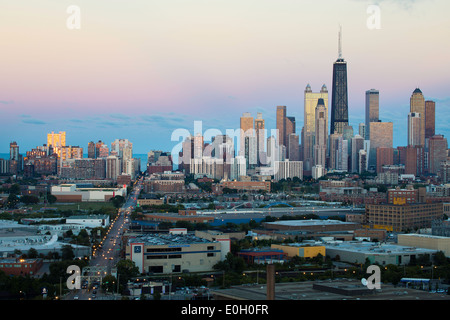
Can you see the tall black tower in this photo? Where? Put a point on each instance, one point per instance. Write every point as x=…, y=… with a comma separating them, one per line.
x=339, y=98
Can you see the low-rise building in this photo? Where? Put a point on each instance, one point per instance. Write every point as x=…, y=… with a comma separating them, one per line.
x=20, y=267
x=71, y=193
x=437, y=243
x=301, y=250
x=89, y=221
x=172, y=253
x=375, y=253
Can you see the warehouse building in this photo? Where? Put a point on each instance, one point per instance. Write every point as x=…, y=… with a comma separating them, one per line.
x=376, y=253
x=436, y=243
x=312, y=225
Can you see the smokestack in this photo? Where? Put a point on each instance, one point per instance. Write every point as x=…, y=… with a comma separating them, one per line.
x=270, y=282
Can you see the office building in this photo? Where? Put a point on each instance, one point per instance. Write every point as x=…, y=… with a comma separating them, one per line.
x=372, y=109
x=381, y=136
x=260, y=131
x=357, y=145
x=430, y=119
x=321, y=134
x=339, y=98
x=294, y=147
x=311, y=100
x=417, y=105
x=247, y=130
x=281, y=124
x=414, y=129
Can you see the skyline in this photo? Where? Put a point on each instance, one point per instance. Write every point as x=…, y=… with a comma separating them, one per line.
x=139, y=73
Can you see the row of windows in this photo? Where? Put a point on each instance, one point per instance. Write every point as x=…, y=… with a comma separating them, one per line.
x=164, y=250
x=14, y=266
x=174, y=256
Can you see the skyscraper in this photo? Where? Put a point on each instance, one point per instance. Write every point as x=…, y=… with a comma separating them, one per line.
x=260, y=136
x=417, y=104
x=281, y=125
x=56, y=141
x=372, y=109
x=290, y=129
x=339, y=97
x=357, y=145
x=310, y=104
x=381, y=136
x=308, y=131
x=430, y=118
x=321, y=134
x=246, y=126
x=414, y=128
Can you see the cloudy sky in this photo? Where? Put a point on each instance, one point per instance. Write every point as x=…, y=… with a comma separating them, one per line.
x=141, y=69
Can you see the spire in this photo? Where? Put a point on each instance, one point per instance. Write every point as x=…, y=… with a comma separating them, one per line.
x=340, y=42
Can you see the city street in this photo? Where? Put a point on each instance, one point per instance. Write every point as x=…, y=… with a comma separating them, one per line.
x=107, y=254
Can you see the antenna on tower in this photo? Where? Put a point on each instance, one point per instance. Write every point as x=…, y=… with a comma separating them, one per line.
x=340, y=42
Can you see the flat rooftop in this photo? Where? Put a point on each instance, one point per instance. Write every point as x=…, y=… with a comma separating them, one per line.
x=375, y=248
x=340, y=289
x=167, y=239
x=311, y=222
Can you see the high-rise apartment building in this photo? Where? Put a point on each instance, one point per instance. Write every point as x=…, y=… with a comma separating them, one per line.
x=372, y=109
x=56, y=141
x=437, y=146
x=417, y=105
x=339, y=97
x=15, y=158
x=288, y=170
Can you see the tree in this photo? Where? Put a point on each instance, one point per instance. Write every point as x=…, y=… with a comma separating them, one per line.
x=67, y=253
x=12, y=201
x=109, y=283
x=118, y=201
x=126, y=269
x=51, y=198
x=32, y=253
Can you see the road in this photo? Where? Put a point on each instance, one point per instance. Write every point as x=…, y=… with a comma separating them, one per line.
x=105, y=257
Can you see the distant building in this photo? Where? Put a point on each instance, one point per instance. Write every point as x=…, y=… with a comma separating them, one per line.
x=288, y=170
x=405, y=217
x=71, y=193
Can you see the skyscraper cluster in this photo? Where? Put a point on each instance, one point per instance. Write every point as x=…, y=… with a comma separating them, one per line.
x=328, y=143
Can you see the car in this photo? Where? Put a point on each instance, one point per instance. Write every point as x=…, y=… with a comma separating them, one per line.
x=75, y=298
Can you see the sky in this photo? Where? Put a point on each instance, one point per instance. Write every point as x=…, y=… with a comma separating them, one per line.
x=143, y=69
